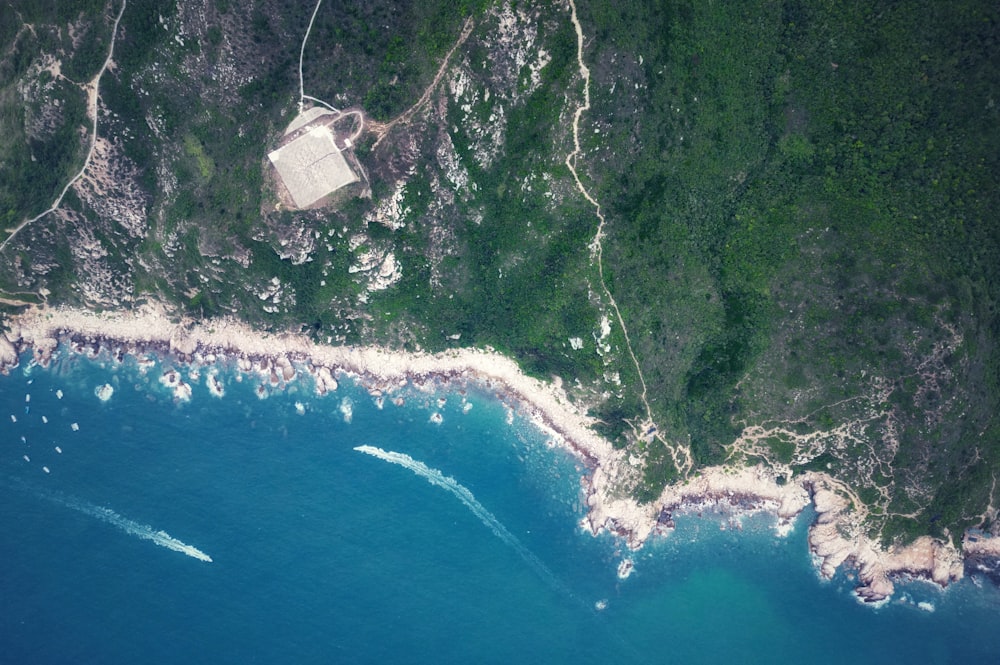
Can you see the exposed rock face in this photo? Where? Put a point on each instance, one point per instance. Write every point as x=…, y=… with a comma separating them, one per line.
x=43, y=112
x=743, y=490
x=182, y=343
x=390, y=211
x=838, y=538
x=102, y=281
x=8, y=355
x=293, y=240
x=982, y=555
x=110, y=188
x=984, y=564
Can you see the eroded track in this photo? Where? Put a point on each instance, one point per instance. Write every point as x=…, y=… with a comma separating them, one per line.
x=648, y=429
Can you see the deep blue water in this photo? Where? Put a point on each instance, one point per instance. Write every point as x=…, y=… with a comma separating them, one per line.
x=323, y=554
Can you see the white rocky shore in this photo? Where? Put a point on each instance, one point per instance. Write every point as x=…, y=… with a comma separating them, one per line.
x=837, y=538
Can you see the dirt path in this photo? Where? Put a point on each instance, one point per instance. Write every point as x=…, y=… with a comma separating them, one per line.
x=318, y=101
x=647, y=430
x=302, y=51
x=754, y=442
x=92, y=98
x=8, y=300
x=381, y=130
x=360, y=129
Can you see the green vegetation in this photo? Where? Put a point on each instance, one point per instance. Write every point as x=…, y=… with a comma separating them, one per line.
x=800, y=200
x=822, y=177
x=380, y=56
x=194, y=149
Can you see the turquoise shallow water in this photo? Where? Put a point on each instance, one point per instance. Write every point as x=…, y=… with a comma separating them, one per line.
x=321, y=553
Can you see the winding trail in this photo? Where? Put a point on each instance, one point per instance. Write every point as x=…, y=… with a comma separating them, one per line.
x=92, y=98
x=317, y=100
x=754, y=442
x=681, y=455
x=383, y=129
x=302, y=51
x=6, y=299
x=359, y=130
x=378, y=128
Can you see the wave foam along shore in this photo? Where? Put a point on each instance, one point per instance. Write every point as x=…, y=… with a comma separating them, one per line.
x=39, y=329
x=149, y=328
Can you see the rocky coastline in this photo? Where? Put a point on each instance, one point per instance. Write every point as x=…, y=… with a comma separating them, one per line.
x=837, y=538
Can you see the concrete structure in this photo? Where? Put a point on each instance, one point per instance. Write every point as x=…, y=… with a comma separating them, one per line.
x=311, y=166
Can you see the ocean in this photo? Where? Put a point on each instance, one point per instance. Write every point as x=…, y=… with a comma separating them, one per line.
x=303, y=529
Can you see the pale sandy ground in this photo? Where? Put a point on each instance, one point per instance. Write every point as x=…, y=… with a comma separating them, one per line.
x=981, y=546
x=835, y=539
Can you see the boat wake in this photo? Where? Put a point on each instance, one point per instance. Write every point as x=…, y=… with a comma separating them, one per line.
x=140, y=531
x=435, y=477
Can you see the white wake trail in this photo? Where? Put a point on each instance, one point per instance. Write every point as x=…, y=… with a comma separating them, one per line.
x=141, y=531
x=435, y=477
